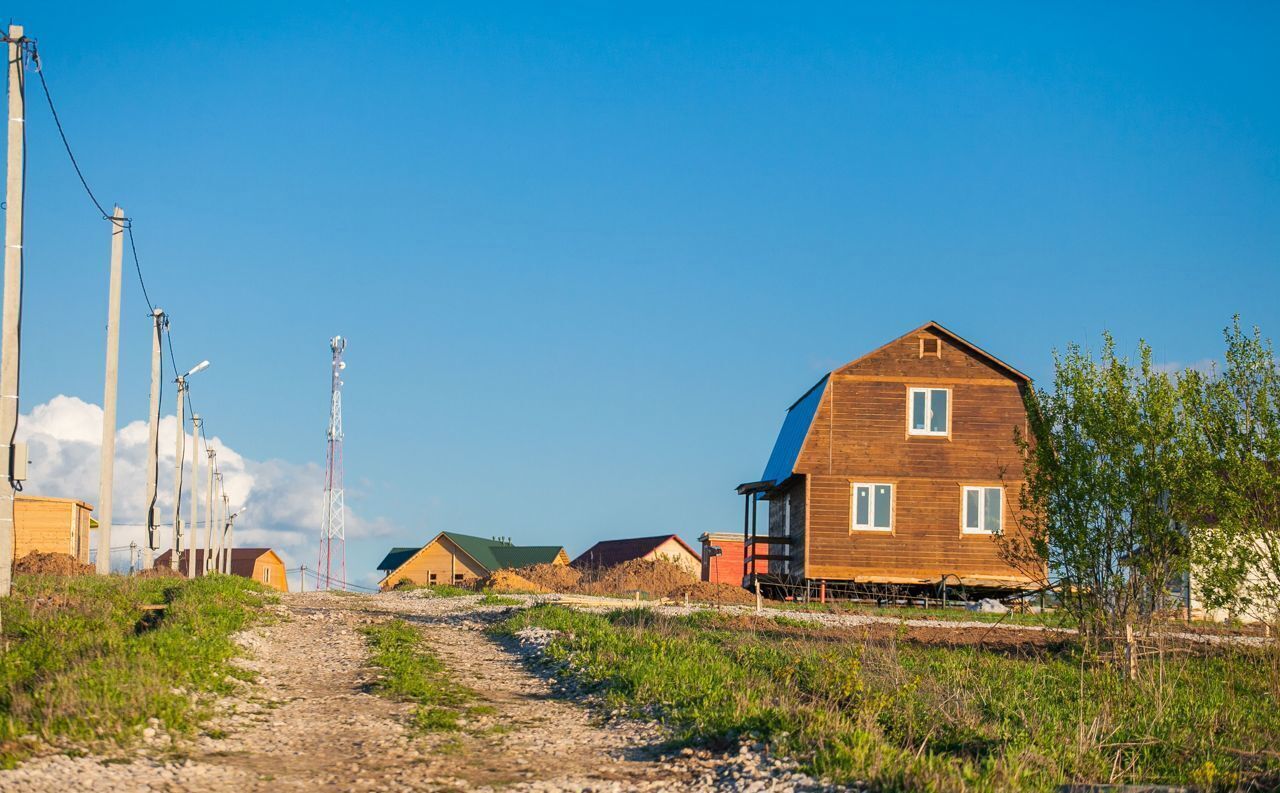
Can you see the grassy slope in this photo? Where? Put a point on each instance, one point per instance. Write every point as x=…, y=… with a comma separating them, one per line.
x=913, y=717
x=412, y=673
x=82, y=662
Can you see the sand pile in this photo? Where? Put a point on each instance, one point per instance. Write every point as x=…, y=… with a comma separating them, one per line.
x=551, y=577
x=37, y=563
x=707, y=592
x=511, y=581
x=652, y=577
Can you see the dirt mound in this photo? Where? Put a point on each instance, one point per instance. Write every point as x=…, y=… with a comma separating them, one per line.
x=160, y=571
x=511, y=581
x=707, y=592
x=37, y=563
x=551, y=577
x=653, y=577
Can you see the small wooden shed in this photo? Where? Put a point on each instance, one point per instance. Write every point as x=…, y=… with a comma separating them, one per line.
x=51, y=525
x=260, y=564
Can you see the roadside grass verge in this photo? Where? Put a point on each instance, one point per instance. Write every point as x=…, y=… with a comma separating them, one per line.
x=411, y=672
x=82, y=662
x=436, y=590
x=493, y=599
x=905, y=716
x=1047, y=619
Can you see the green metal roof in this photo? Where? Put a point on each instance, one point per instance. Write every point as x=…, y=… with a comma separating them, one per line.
x=396, y=557
x=496, y=554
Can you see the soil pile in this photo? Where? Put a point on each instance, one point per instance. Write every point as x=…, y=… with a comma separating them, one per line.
x=161, y=571
x=707, y=592
x=38, y=563
x=511, y=581
x=551, y=577
x=653, y=577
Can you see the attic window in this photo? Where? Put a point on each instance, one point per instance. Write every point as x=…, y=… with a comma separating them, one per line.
x=930, y=345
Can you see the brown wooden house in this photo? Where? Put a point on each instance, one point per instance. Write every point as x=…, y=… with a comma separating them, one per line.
x=669, y=547
x=898, y=469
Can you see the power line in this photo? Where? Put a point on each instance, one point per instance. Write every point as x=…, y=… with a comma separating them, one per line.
x=35, y=59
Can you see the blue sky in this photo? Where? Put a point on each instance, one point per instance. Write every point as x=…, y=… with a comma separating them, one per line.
x=586, y=256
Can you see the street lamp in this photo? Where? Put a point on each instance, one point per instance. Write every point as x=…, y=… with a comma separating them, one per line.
x=179, y=459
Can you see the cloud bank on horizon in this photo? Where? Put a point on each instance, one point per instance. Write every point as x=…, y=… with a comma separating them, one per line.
x=282, y=500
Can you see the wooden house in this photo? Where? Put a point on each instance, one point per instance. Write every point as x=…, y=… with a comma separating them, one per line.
x=722, y=558
x=259, y=564
x=669, y=547
x=899, y=469
x=461, y=560
x=51, y=525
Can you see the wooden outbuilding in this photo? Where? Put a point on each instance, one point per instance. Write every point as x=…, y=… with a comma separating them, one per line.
x=668, y=547
x=259, y=564
x=899, y=469
x=461, y=560
x=51, y=525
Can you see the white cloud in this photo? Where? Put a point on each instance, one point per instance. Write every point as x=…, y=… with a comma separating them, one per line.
x=282, y=500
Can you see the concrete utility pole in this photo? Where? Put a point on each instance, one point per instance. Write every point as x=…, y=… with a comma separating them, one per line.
x=219, y=524
x=12, y=320
x=228, y=520
x=159, y=321
x=195, y=496
x=180, y=455
x=208, y=514
x=109, y=395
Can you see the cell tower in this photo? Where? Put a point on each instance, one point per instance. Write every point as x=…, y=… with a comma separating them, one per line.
x=333, y=534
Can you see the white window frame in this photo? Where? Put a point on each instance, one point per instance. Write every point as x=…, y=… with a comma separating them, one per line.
x=928, y=411
x=266, y=575
x=871, y=506
x=982, y=509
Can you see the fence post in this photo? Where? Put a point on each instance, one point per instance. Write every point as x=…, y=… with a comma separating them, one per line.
x=759, y=599
x=1130, y=652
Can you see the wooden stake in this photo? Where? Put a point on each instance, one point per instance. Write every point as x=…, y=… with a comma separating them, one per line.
x=10, y=337
x=153, y=443
x=106, y=467
x=1130, y=652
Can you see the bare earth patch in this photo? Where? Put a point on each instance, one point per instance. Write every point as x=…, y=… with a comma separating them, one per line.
x=311, y=721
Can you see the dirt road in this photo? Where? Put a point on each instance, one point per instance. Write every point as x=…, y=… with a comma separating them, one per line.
x=310, y=721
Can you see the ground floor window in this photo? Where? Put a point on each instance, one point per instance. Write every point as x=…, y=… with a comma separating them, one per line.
x=983, y=508
x=872, y=507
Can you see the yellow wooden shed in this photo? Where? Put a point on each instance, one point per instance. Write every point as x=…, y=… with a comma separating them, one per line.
x=51, y=525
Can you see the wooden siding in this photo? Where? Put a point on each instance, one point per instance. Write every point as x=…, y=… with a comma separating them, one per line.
x=725, y=567
x=677, y=554
x=51, y=525
x=860, y=434
x=268, y=569
x=443, y=558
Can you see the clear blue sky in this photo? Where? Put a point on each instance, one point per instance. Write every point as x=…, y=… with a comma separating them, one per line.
x=586, y=257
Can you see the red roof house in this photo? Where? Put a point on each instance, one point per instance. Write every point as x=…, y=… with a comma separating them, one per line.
x=670, y=547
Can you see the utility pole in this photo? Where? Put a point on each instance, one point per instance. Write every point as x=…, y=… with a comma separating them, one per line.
x=195, y=499
x=219, y=525
x=208, y=514
x=11, y=323
x=159, y=321
x=109, y=395
x=228, y=521
x=180, y=455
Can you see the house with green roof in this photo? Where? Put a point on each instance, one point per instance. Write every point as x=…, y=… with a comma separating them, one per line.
x=461, y=560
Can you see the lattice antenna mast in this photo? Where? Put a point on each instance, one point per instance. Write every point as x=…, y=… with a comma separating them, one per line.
x=333, y=534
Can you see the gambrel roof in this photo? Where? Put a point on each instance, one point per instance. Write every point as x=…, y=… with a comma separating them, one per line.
x=795, y=427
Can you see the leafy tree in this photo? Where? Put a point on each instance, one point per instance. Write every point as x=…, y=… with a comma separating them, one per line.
x=1233, y=437
x=1102, y=469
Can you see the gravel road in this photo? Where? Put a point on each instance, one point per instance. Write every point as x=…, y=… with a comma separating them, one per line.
x=310, y=721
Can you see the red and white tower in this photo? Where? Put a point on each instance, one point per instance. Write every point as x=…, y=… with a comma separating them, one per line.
x=332, y=568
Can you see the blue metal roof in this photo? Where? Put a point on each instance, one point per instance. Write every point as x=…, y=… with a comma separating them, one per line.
x=791, y=437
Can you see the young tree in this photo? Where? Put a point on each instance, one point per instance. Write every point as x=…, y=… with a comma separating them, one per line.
x=1101, y=491
x=1233, y=434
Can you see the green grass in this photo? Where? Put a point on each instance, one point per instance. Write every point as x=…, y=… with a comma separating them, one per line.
x=912, y=717
x=82, y=662
x=491, y=599
x=411, y=672
x=437, y=590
